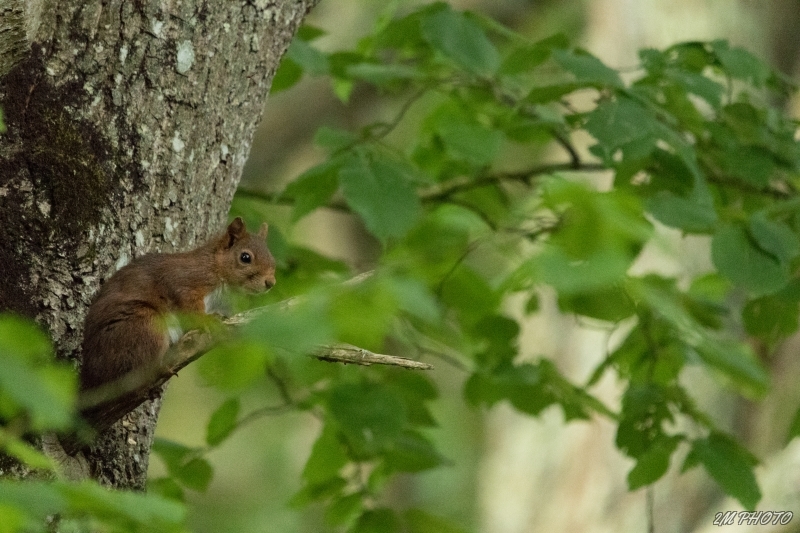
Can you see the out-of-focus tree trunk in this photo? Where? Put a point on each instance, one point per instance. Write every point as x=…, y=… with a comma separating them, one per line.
x=129, y=123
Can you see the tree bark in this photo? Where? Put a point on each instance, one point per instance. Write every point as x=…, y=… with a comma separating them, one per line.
x=129, y=123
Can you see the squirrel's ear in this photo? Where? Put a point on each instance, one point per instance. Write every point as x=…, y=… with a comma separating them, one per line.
x=236, y=230
x=263, y=230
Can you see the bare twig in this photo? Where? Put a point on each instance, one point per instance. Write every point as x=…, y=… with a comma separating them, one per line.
x=345, y=353
x=100, y=412
x=382, y=129
x=448, y=188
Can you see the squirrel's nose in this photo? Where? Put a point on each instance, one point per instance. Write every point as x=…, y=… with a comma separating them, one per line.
x=269, y=282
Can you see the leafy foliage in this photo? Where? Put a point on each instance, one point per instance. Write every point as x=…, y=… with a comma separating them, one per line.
x=37, y=394
x=692, y=143
x=25, y=506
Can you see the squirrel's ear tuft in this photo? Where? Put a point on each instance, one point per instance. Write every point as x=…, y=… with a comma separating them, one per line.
x=236, y=230
x=263, y=230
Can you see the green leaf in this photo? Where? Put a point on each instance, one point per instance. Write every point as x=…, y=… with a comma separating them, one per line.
x=35, y=498
x=307, y=57
x=481, y=389
x=570, y=276
x=420, y=521
x=692, y=56
x=416, y=385
x=586, y=68
x=167, y=488
x=334, y=139
x=12, y=520
x=682, y=213
x=620, y=122
x=415, y=298
x=377, y=521
x=794, y=429
x=2, y=123
x=730, y=465
x=382, y=74
x=223, y=422
x=416, y=389
x=23, y=339
x=296, y=331
x=644, y=411
x=752, y=165
x=287, y=75
x=314, y=188
x=699, y=85
x=31, y=379
x=307, y=32
x=523, y=59
x=740, y=63
x=737, y=361
x=775, y=316
x=371, y=415
x=738, y=258
x=21, y=450
x=216, y=366
x=733, y=359
x=774, y=238
x=462, y=40
x=125, y=511
x=355, y=326
x=533, y=304
x=530, y=389
x=109, y=510
x=499, y=335
x=326, y=459
x=319, y=491
x=411, y=452
x=653, y=463
x=380, y=190
x=196, y=474
x=172, y=453
x=550, y=93
x=192, y=472
x=344, y=510
x=608, y=303
x=467, y=139
x=469, y=294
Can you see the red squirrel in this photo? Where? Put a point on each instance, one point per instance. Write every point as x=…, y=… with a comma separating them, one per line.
x=125, y=329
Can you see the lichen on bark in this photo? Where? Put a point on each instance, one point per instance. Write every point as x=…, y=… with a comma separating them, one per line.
x=129, y=123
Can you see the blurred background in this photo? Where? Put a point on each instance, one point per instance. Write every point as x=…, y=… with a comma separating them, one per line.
x=510, y=473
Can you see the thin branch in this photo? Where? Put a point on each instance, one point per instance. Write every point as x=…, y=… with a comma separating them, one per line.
x=480, y=213
x=345, y=353
x=448, y=188
x=471, y=247
x=283, y=389
x=100, y=413
x=261, y=412
x=734, y=183
x=444, y=190
x=279, y=199
x=573, y=153
x=388, y=127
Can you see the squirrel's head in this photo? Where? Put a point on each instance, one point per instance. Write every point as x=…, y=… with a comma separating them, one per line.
x=246, y=261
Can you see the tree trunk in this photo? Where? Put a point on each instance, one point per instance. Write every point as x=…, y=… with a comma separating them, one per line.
x=129, y=123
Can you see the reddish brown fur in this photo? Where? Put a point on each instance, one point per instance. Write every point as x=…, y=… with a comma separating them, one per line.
x=124, y=329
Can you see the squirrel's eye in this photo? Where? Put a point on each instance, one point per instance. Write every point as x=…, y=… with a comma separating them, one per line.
x=245, y=257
